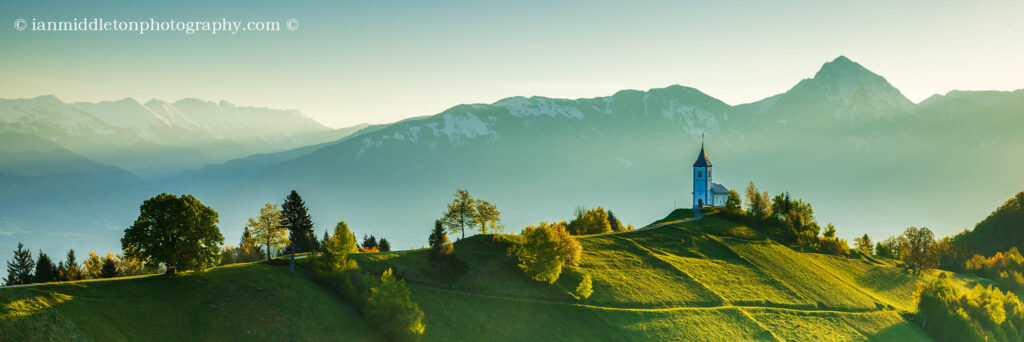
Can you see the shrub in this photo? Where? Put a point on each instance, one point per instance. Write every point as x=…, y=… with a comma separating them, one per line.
x=585, y=288
x=545, y=249
x=389, y=308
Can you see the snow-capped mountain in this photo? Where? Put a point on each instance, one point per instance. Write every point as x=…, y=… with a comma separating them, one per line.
x=159, y=136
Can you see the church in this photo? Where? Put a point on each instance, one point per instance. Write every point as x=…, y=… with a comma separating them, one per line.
x=705, y=192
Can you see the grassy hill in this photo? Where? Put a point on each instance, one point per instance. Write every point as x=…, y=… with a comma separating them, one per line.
x=701, y=280
x=235, y=302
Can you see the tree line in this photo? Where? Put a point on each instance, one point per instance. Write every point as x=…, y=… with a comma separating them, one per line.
x=784, y=219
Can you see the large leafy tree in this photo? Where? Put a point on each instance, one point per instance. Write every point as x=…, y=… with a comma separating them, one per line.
x=179, y=232
x=299, y=223
x=915, y=248
x=19, y=269
x=267, y=228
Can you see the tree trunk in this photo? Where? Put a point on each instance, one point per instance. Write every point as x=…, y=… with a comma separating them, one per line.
x=268, y=250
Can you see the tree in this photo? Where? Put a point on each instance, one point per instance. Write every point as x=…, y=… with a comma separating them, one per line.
x=249, y=248
x=179, y=232
x=864, y=244
x=442, y=252
x=335, y=250
x=267, y=228
x=585, y=288
x=545, y=249
x=615, y=223
x=915, y=248
x=461, y=212
x=300, y=225
x=46, y=271
x=71, y=270
x=887, y=248
x=325, y=238
x=19, y=269
x=392, y=311
x=384, y=245
x=733, y=203
x=109, y=268
x=830, y=231
x=593, y=221
x=486, y=214
x=758, y=204
x=127, y=266
x=93, y=265
x=370, y=243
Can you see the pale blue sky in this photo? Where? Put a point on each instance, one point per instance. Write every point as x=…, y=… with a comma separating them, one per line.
x=381, y=61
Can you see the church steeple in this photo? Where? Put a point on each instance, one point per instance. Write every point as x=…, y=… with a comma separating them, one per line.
x=702, y=158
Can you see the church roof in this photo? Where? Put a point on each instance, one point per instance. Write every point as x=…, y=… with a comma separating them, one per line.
x=702, y=158
x=718, y=189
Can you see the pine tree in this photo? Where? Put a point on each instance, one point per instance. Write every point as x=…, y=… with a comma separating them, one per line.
x=327, y=237
x=614, y=222
x=370, y=242
x=109, y=269
x=71, y=269
x=19, y=269
x=300, y=225
x=46, y=271
x=384, y=245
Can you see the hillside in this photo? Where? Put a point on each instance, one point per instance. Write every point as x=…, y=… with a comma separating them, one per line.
x=237, y=302
x=1001, y=230
x=703, y=280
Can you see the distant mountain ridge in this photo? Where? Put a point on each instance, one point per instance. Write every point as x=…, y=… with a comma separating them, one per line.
x=845, y=139
x=192, y=131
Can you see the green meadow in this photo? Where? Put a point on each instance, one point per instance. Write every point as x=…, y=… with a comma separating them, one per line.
x=700, y=280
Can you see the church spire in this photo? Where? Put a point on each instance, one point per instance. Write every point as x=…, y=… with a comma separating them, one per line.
x=702, y=158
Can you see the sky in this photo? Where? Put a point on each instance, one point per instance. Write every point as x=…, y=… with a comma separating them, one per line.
x=350, y=62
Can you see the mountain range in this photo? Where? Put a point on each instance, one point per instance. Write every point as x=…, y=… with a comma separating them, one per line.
x=846, y=140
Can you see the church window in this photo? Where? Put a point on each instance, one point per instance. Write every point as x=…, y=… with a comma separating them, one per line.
x=700, y=174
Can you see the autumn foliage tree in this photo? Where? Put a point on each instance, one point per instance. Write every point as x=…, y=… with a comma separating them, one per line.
x=267, y=228
x=179, y=232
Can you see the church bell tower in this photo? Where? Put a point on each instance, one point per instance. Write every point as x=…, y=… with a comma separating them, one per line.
x=702, y=180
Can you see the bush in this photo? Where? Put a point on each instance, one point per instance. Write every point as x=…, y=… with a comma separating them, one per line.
x=585, y=288
x=389, y=308
x=545, y=249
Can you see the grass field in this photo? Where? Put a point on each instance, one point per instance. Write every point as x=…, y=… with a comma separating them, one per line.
x=235, y=302
x=704, y=280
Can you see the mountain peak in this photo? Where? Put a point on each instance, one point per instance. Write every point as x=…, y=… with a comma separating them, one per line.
x=843, y=67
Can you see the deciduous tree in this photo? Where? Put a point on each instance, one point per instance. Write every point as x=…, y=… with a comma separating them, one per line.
x=179, y=232
x=486, y=216
x=460, y=213
x=93, y=265
x=267, y=228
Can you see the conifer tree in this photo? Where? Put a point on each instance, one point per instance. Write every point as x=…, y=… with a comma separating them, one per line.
x=46, y=271
x=615, y=223
x=109, y=269
x=19, y=269
x=71, y=270
x=295, y=217
x=384, y=245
